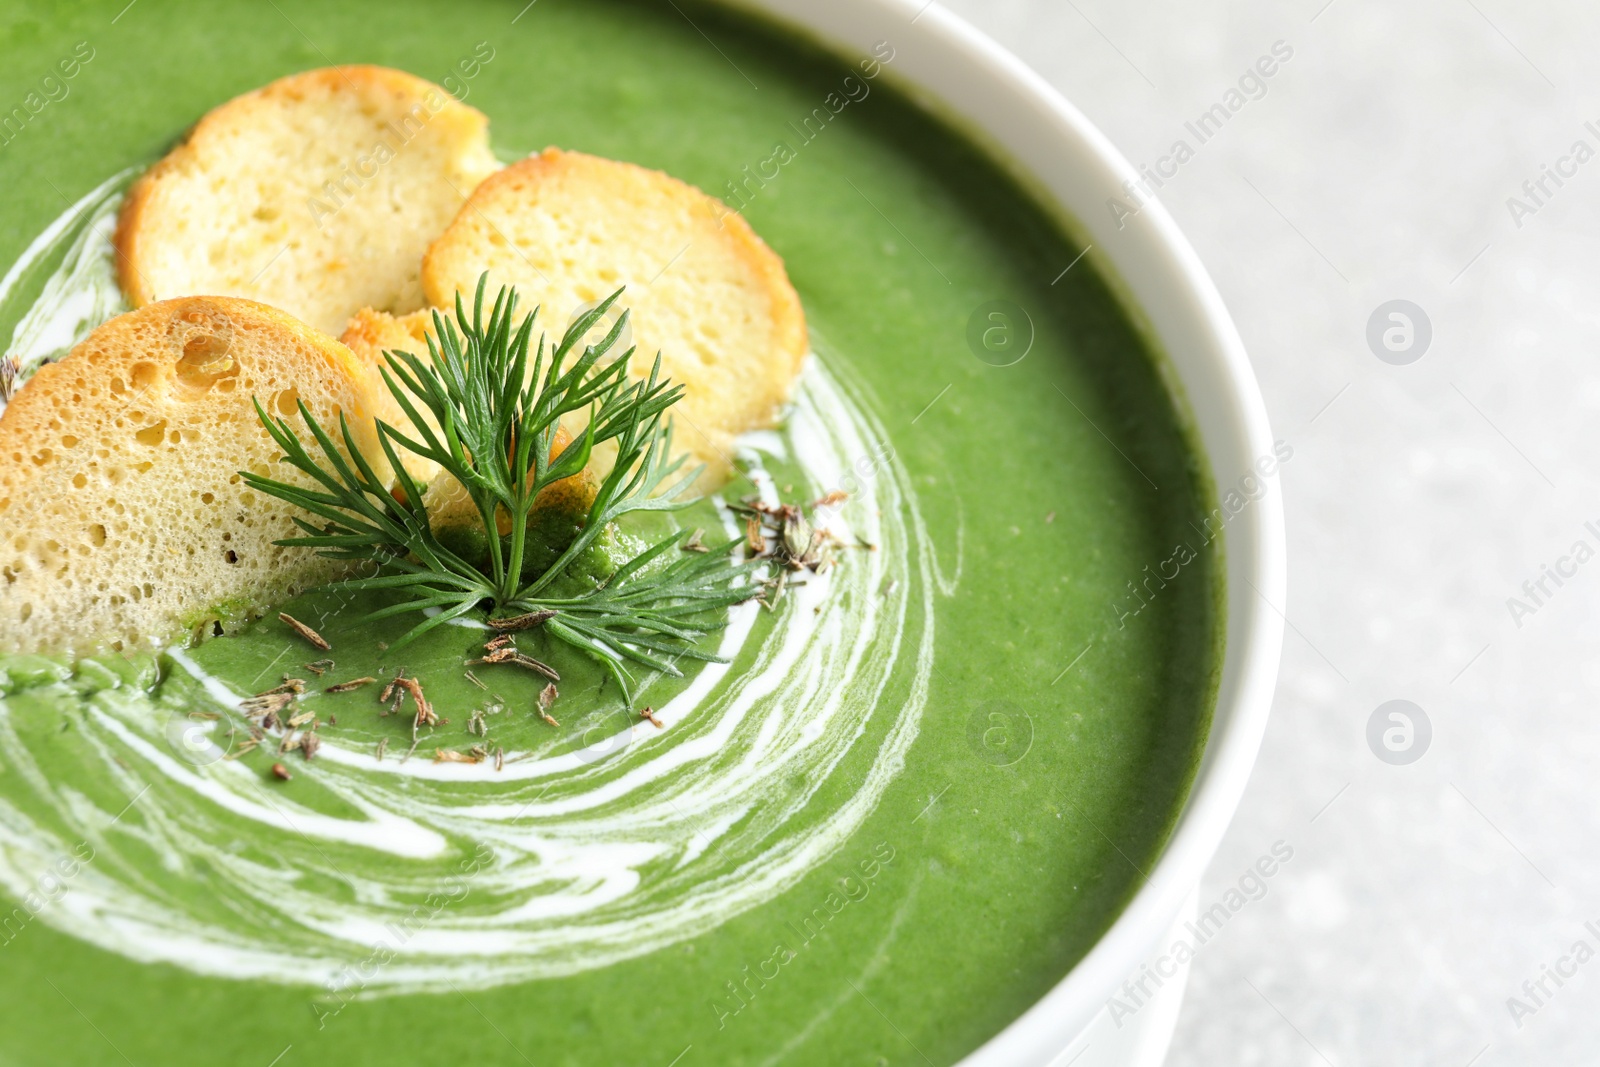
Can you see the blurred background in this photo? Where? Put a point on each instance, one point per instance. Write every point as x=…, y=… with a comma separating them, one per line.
x=1436, y=153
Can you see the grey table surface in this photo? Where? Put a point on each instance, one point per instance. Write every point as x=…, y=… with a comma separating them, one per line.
x=1380, y=162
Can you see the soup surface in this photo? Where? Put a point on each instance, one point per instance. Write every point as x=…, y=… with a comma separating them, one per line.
x=922, y=788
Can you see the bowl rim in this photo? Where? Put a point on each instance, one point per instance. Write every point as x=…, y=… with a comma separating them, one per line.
x=963, y=75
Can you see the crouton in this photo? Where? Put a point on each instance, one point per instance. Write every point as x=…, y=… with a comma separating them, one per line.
x=567, y=229
x=316, y=194
x=124, y=522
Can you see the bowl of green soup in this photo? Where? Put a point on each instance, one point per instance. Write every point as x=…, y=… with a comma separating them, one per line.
x=930, y=793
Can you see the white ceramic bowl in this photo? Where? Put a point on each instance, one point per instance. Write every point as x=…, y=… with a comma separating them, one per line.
x=962, y=75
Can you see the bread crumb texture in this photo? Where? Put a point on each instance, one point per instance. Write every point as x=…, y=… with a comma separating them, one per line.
x=568, y=229
x=124, y=522
x=317, y=194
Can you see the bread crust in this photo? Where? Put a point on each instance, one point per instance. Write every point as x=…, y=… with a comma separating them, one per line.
x=149, y=222
x=564, y=226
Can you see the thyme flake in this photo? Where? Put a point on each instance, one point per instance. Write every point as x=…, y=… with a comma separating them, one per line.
x=304, y=631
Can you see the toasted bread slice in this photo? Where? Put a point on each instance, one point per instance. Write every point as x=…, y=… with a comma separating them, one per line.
x=317, y=194
x=123, y=520
x=370, y=334
x=567, y=229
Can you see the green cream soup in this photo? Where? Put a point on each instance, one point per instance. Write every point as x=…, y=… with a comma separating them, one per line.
x=918, y=789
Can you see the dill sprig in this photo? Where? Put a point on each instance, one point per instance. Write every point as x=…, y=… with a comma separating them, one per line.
x=490, y=421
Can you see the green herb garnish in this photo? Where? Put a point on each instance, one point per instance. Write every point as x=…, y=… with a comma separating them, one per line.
x=496, y=429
